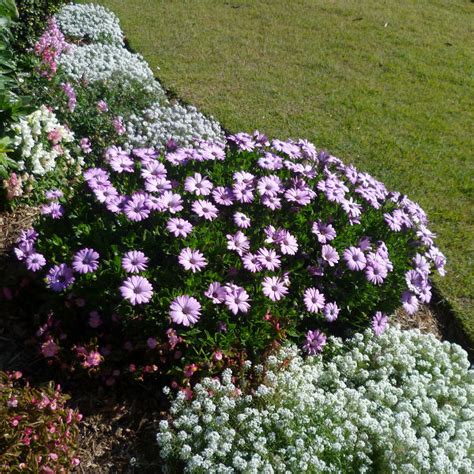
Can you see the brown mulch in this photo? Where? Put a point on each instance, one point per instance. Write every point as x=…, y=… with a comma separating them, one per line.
x=12, y=223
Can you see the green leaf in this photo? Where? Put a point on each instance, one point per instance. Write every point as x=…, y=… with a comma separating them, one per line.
x=8, y=9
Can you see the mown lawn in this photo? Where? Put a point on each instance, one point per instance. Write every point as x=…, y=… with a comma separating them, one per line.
x=386, y=85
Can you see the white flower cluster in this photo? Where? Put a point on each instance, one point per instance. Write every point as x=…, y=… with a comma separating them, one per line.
x=90, y=22
x=100, y=62
x=154, y=126
x=402, y=402
x=40, y=139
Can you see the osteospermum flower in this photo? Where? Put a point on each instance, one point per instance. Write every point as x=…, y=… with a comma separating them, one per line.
x=238, y=242
x=314, y=300
x=223, y=196
x=355, y=258
x=192, y=260
x=237, y=299
x=60, y=277
x=179, y=227
x=53, y=209
x=324, y=232
x=216, y=293
x=330, y=255
x=241, y=220
x=198, y=185
x=136, y=208
x=315, y=341
x=85, y=261
x=134, y=261
x=379, y=323
x=137, y=290
x=288, y=244
x=171, y=201
x=274, y=288
x=206, y=209
x=269, y=259
x=185, y=310
x=331, y=311
x=376, y=273
x=410, y=302
x=35, y=262
x=251, y=262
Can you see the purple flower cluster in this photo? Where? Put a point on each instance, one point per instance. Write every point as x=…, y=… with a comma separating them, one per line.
x=290, y=179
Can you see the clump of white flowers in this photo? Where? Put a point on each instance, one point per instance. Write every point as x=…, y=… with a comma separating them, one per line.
x=401, y=402
x=90, y=22
x=42, y=145
x=157, y=124
x=40, y=140
x=102, y=62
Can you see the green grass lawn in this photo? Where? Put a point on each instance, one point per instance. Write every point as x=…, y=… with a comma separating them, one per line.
x=385, y=85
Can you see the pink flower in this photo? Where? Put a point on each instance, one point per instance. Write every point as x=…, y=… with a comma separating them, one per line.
x=93, y=359
x=185, y=310
x=49, y=348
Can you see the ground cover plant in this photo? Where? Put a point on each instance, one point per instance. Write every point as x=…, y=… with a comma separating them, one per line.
x=384, y=85
x=400, y=401
x=39, y=433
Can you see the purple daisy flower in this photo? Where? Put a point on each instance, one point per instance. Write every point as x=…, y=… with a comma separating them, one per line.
x=137, y=290
x=379, y=323
x=315, y=341
x=53, y=209
x=269, y=186
x=85, y=261
x=60, y=277
x=274, y=288
x=324, y=232
x=171, y=201
x=331, y=311
x=241, y=220
x=269, y=259
x=198, y=185
x=251, y=262
x=134, y=261
x=288, y=243
x=136, y=208
x=205, y=209
x=376, y=272
x=330, y=255
x=223, y=196
x=355, y=258
x=272, y=202
x=216, y=293
x=237, y=299
x=35, y=262
x=179, y=227
x=185, y=310
x=314, y=300
x=192, y=260
x=54, y=194
x=410, y=302
x=238, y=242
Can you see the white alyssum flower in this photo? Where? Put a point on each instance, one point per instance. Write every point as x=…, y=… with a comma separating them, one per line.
x=90, y=22
x=154, y=126
x=399, y=402
x=105, y=62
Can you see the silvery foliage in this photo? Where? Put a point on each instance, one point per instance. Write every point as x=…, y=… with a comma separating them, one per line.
x=157, y=124
x=402, y=402
x=96, y=62
x=90, y=22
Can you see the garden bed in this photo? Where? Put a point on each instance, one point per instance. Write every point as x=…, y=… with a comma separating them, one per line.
x=163, y=268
